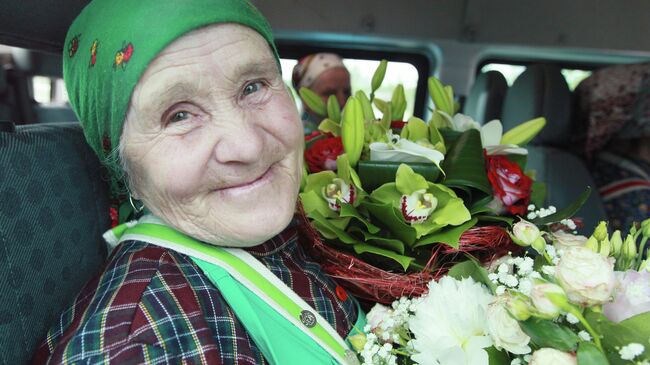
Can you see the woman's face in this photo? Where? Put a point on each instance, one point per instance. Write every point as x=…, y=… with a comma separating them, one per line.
x=335, y=81
x=212, y=139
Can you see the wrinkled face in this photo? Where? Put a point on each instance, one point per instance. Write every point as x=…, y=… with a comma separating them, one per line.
x=335, y=81
x=212, y=139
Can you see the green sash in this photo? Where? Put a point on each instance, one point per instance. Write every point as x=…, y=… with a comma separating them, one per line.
x=285, y=328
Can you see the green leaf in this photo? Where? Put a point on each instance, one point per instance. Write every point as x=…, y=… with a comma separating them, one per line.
x=497, y=357
x=440, y=96
x=333, y=109
x=393, y=220
x=545, y=333
x=407, y=181
x=495, y=218
x=538, y=193
x=449, y=236
x=313, y=101
x=341, y=234
x=366, y=106
x=330, y=126
x=386, y=118
x=404, y=261
x=464, y=164
x=353, y=130
x=348, y=210
x=398, y=103
x=471, y=269
x=567, y=212
x=377, y=173
x=378, y=76
x=588, y=354
x=381, y=241
x=524, y=133
x=617, y=335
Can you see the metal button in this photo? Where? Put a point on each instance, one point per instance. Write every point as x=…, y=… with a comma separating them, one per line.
x=308, y=318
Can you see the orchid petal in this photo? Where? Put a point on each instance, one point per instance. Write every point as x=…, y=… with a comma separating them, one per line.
x=505, y=149
x=491, y=133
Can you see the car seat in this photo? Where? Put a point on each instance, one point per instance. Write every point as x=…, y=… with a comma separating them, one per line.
x=53, y=210
x=541, y=91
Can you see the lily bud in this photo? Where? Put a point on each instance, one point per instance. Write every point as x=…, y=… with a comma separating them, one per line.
x=629, y=249
x=600, y=233
x=617, y=243
x=525, y=234
x=592, y=244
x=645, y=227
x=605, y=247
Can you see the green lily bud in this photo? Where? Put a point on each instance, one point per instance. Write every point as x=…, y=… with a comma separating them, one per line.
x=617, y=243
x=645, y=227
x=600, y=233
x=605, y=247
x=592, y=244
x=629, y=249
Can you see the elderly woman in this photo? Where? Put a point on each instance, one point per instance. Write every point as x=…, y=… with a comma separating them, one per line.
x=325, y=74
x=185, y=103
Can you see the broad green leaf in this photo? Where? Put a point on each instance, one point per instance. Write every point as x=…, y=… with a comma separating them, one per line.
x=352, y=130
x=366, y=106
x=497, y=357
x=407, y=181
x=426, y=227
x=348, y=210
x=323, y=230
x=440, y=97
x=545, y=333
x=377, y=173
x=451, y=209
x=387, y=194
x=333, y=109
x=464, y=164
x=404, y=261
x=313, y=101
x=330, y=126
x=449, y=236
x=416, y=129
x=341, y=235
x=381, y=241
x=398, y=103
x=588, y=354
x=617, y=335
x=524, y=133
x=471, y=269
x=393, y=220
x=495, y=218
x=312, y=201
x=538, y=193
x=567, y=212
x=378, y=76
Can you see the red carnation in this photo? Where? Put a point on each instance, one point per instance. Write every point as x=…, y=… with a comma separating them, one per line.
x=509, y=184
x=323, y=153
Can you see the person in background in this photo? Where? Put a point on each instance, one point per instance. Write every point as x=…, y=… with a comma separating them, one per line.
x=325, y=74
x=615, y=110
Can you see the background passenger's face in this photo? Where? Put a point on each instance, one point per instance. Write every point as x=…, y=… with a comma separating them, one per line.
x=335, y=81
x=212, y=139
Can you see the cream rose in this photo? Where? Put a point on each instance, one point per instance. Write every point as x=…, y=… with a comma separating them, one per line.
x=505, y=330
x=542, y=303
x=564, y=241
x=548, y=356
x=587, y=277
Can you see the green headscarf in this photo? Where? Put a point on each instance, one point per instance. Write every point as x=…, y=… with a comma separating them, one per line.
x=111, y=43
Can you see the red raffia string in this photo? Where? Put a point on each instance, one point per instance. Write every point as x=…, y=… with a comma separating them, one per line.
x=368, y=282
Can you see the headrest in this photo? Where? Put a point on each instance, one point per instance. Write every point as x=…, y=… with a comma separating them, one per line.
x=540, y=91
x=3, y=81
x=485, y=99
x=37, y=63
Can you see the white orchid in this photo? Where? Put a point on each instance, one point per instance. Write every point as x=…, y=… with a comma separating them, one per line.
x=417, y=206
x=402, y=150
x=337, y=192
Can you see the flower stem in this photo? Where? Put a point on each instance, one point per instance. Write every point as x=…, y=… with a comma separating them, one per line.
x=548, y=258
x=639, y=257
x=573, y=310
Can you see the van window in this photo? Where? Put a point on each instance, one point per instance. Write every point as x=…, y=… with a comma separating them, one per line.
x=572, y=76
x=49, y=90
x=361, y=72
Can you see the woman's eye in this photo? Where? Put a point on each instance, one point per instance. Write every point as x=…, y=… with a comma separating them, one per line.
x=179, y=116
x=252, y=87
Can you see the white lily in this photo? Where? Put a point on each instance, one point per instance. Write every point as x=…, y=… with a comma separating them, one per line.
x=491, y=135
x=418, y=206
x=337, y=192
x=461, y=123
x=402, y=150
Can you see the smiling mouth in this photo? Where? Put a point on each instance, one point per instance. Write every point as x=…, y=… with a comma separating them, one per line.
x=247, y=186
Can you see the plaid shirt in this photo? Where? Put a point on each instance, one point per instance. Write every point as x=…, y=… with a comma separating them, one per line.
x=153, y=305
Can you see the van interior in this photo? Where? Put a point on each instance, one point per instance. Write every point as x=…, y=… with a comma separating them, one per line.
x=512, y=60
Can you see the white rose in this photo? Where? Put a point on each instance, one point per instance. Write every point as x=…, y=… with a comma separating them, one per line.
x=378, y=314
x=548, y=356
x=505, y=330
x=526, y=233
x=564, y=241
x=587, y=277
x=542, y=303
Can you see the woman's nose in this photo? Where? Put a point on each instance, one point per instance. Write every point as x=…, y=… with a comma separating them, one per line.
x=342, y=97
x=243, y=144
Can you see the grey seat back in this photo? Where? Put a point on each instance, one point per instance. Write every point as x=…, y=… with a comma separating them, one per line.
x=541, y=91
x=53, y=211
x=6, y=100
x=485, y=99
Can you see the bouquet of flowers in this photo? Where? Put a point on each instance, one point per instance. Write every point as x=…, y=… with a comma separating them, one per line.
x=394, y=204
x=574, y=300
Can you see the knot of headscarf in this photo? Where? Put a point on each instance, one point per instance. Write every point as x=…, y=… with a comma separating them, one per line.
x=109, y=46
